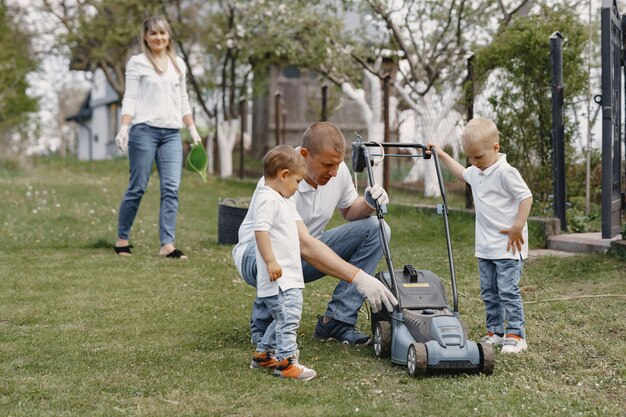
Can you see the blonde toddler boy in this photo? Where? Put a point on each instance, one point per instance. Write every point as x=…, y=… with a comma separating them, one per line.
x=279, y=278
x=502, y=203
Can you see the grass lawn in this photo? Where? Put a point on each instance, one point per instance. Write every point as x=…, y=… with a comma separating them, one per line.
x=84, y=332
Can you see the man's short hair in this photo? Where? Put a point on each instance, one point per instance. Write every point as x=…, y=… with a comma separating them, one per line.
x=482, y=131
x=282, y=157
x=323, y=135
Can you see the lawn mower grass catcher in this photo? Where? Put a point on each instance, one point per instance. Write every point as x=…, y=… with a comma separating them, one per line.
x=423, y=332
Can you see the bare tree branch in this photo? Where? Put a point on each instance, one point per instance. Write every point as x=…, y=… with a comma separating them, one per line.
x=398, y=36
x=192, y=78
x=366, y=66
x=118, y=83
x=333, y=78
x=509, y=15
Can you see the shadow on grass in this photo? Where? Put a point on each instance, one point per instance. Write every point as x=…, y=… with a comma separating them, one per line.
x=100, y=243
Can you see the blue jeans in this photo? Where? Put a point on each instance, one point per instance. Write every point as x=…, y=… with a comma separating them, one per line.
x=356, y=242
x=147, y=144
x=499, y=289
x=286, y=309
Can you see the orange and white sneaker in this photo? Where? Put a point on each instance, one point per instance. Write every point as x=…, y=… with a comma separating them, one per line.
x=265, y=360
x=514, y=344
x=291, y=368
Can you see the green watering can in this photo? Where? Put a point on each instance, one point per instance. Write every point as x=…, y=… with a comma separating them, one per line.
x=197, y=160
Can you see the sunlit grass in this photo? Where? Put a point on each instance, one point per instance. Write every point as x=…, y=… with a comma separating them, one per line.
x=84, y=332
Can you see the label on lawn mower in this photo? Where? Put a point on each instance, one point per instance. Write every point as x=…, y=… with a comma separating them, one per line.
x=417, y=285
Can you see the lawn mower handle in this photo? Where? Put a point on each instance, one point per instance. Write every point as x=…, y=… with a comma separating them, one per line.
x=361, y=160
x=455, y=297
x=379, y=214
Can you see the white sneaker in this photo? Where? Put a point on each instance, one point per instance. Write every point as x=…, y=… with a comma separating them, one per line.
x=514, y=344
x=492, y=339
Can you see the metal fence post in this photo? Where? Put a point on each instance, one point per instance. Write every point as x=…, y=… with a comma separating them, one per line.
x=243, y=116
x=387, y=129
x=558, y=130
x=278, y=111
x=469, y=102
x=324, y=103
x=611, y=41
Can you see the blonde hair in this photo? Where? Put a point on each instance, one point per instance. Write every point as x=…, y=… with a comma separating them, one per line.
x=323, y=135
x=282, y=157
x=480, y=131
x=158, y=23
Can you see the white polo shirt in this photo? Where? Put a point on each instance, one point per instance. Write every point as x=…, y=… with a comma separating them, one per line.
x=158, y=100
x=314, y=206
x=275, y=214
x=497, y=193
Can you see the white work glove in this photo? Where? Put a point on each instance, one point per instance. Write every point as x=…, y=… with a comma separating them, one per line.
x=374, y=292
x=195, y=137
x=376, y=193
x=121, y=140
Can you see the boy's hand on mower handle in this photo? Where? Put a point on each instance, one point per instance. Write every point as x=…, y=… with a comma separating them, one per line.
x=429, y=148
x=374, y=292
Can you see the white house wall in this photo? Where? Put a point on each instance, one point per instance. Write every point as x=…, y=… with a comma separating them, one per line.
x=103, y=122
x=84, y=153
x=102, y=135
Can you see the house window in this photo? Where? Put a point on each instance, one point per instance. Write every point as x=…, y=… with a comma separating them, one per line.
x=291, y=72
x=113, y=122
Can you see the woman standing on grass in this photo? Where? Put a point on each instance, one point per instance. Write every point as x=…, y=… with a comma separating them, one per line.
x=156, y=102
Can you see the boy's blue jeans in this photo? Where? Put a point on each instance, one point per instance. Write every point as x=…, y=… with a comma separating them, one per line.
x=147, y=144
x=499, y=289
x=356, y=242
x=286, y=309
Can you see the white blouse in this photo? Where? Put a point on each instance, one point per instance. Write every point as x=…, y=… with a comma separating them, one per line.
x=153, y=99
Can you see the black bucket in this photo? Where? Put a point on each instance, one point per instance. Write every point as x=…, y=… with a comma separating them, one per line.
x=230, y=215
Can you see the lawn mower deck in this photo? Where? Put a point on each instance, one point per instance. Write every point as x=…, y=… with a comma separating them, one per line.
x=424, y=334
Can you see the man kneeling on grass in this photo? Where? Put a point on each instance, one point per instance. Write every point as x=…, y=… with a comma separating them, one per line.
x=350, y=251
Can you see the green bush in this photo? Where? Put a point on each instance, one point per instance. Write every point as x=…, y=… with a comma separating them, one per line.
x=515, y=71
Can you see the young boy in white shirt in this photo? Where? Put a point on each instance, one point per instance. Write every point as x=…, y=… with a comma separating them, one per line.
x=502, y=203
x=279, y=280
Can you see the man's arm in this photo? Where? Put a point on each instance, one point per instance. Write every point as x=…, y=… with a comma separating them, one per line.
x=515, y=232
x=364, y=206
x=320, y=256
x=358, y=210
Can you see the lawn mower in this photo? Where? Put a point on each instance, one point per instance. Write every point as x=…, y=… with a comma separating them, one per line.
x=423, y=333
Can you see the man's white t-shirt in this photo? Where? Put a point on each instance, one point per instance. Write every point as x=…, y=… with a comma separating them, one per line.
x=497, y=193
x=314, y=206
x=275, y=214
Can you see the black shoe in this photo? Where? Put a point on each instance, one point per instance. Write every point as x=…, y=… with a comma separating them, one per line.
x=340, y=332
x=123, y=250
